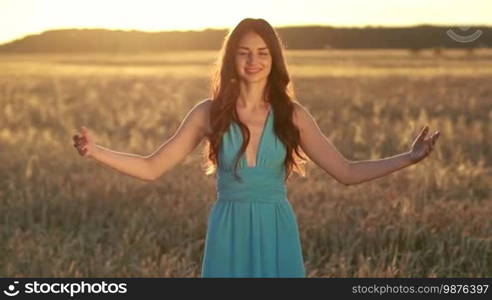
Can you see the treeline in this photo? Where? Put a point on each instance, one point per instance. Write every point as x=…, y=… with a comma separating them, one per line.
x=311, y=37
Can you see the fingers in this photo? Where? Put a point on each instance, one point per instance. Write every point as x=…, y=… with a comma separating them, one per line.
x=79, y=146
x=86, y=134
x=433, y=139
x=81, y=141
x=422, y=150
x=423, y=133
x=83, y=136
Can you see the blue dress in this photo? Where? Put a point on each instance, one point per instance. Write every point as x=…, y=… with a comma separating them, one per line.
x=252, y=228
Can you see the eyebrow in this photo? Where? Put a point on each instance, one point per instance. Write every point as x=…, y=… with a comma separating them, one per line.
x=242, y=47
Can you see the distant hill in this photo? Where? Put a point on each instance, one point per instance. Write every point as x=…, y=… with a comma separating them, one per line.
x=310, y=37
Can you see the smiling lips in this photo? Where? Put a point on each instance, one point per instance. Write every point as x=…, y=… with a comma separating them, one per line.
x=252, y=70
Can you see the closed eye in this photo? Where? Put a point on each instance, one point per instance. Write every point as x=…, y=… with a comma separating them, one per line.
x=246, y=53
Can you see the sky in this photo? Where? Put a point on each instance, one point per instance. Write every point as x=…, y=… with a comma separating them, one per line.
x=19, y=18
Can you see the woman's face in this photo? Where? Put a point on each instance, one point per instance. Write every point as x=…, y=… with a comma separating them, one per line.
x=253, y=60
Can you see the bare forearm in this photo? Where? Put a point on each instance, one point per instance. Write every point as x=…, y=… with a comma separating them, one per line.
x=130, y=164
x=366, y=170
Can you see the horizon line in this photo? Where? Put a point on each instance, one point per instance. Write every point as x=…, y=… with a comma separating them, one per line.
x=227, y=28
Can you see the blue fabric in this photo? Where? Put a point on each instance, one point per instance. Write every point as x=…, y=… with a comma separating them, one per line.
x=252, y=228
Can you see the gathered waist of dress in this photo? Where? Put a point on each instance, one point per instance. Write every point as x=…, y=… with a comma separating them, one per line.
x=258, y=184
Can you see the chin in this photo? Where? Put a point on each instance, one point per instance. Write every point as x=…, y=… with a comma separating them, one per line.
x=249, y=78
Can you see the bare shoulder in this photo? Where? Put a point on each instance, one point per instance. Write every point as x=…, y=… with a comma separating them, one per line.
x=204, y=105
x=202, y=110
x=301, y=116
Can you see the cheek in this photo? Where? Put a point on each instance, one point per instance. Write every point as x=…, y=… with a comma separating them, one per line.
x=239, y=65
x=240, y=62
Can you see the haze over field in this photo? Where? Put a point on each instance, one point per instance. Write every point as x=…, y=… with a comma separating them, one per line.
x=63, y=215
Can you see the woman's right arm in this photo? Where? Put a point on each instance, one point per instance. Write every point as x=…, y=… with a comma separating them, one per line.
x=189, y=134
x=127, y=163
x=150, y=167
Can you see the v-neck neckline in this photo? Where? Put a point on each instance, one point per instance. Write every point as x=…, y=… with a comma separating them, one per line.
x=260, y=143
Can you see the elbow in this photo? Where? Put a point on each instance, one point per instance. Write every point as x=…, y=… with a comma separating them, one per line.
x=150, y=174
x=346, y=179
x=345, y=182
x=153, y=173
x=149, y=179
x=342, y=180
x=342, y=176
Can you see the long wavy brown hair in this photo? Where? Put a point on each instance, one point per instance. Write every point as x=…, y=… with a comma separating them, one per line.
x=279, y=92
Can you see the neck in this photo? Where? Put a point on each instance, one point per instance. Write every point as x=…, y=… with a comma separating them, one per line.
x=251, y=95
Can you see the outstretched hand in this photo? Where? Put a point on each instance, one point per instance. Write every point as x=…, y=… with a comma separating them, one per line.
x=423, y=146
x=84, y=143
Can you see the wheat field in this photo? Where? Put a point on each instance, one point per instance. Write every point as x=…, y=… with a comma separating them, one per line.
x=63, y=215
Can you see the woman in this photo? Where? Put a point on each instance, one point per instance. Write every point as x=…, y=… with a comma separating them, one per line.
x=252, y=228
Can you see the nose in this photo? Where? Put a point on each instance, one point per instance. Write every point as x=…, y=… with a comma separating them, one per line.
x=251, y=59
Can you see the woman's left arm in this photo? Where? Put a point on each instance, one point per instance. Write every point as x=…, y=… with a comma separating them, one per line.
x=370, y=169
x=320, y=150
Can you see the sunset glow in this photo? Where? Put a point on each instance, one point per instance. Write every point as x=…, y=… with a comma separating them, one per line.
x=22, y=17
